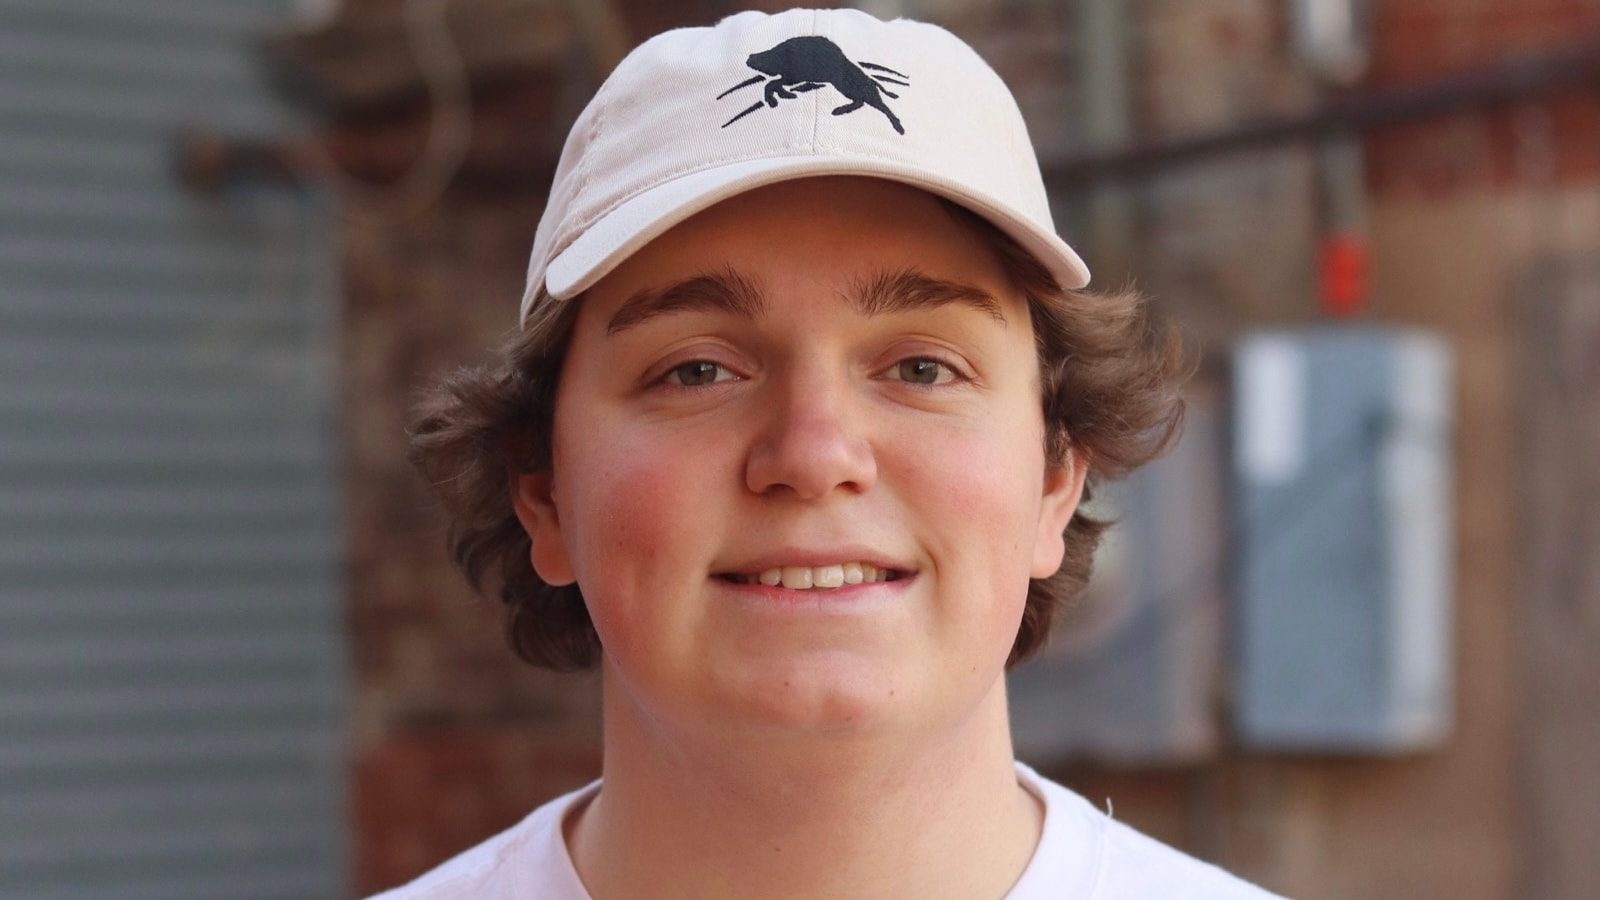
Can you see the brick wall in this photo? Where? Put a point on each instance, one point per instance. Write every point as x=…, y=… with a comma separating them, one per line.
x=1481, y=218
x=1228, y=241
x=1420, y=38
x=1462, y=210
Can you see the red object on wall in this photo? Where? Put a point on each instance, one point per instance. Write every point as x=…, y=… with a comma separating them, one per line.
x=1345, y=261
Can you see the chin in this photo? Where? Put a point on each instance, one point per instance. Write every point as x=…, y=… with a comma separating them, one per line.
x=833, y=697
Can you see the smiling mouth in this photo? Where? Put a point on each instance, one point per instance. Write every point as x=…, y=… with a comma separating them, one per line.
x=817, y=578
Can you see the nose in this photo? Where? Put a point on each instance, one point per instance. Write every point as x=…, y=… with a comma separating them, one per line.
x=812, y=441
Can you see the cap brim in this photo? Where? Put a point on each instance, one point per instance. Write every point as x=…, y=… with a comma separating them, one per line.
x=619, y=233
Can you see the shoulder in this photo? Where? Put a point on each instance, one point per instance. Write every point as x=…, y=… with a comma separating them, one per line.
x=1138, y=866
x=528, y=859
x=1103, y=859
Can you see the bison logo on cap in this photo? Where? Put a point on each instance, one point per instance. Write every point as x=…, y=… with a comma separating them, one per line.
x=811, y=62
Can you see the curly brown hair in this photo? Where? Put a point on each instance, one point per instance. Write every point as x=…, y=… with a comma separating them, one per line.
x=1109, y=371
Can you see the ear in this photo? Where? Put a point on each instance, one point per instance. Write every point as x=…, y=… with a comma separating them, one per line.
x=534, y=501
x=1063, y=488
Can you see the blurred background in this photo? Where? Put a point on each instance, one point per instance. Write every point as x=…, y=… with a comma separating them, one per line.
x=1343, y=641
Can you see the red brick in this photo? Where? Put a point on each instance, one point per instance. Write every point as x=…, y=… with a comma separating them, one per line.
x=421, y=798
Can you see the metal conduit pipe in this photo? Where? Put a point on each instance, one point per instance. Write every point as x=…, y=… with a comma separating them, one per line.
x=1514, y=79
x=1103, y=71
x=1333, y=40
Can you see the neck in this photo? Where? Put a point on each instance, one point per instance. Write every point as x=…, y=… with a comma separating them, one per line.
x=781, y=816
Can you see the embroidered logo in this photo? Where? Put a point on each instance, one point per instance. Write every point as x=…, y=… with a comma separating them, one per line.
x=812, y=62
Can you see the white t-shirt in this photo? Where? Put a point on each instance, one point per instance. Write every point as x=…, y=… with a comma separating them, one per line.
x=1083, y=854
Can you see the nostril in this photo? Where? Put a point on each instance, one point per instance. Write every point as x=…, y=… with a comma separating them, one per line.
x=809, y=458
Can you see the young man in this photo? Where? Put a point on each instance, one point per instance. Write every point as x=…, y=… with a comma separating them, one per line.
x=792, y=446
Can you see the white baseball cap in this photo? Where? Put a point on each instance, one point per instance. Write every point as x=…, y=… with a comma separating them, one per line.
x=697, y=115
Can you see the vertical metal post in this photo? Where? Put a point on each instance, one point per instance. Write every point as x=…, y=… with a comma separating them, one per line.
x=1332, y=38
x=1103, y=72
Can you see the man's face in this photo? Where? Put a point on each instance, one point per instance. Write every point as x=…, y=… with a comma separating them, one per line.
x=824, y=380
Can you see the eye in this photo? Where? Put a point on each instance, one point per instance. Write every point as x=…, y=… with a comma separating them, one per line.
x=921, y=370
x=696, y=373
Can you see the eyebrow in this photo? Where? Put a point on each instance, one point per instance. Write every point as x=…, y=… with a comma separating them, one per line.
x=909, y=289
x=728, y=291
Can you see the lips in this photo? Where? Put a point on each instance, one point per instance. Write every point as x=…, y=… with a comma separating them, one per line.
x=816, y=578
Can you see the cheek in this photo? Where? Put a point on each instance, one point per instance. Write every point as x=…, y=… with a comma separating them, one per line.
x=630, y=518
x=987, y=484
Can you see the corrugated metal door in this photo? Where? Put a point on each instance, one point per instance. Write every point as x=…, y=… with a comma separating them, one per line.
x=171, y=662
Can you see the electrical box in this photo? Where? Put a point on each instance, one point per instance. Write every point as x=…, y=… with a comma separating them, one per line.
x=1130, y=674
x=1343, y=562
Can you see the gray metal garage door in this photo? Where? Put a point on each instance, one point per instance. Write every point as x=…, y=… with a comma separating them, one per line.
x=171, y=662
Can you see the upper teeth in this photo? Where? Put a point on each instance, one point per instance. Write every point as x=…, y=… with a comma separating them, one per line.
x=801, y=578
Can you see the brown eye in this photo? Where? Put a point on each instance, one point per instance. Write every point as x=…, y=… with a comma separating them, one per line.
x=922, y=371
x=699, y=372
